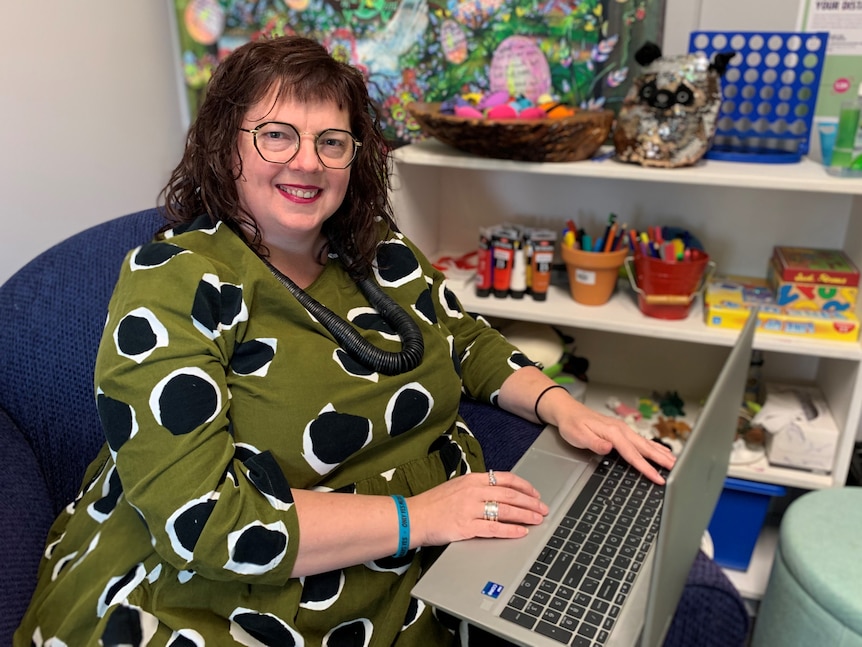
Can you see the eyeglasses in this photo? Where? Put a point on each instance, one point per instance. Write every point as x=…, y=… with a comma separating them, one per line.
x=279, y=143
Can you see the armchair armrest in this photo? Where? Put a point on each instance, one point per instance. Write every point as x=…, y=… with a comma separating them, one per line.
x=504, y=436
x=26, y=514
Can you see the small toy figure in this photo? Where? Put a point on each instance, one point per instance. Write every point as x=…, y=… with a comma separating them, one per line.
x=670, y=403
x=668, y=118
x=647, y=407
x=623, y=410
x=672, y=428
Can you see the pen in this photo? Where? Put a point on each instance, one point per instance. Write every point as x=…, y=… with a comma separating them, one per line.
x=621, y=234
x=612, y=218
x=610, y=237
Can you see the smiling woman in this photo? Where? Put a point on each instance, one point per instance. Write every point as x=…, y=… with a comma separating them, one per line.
x=279, y=383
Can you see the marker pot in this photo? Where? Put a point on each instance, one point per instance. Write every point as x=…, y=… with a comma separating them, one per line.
x=666, y=289
x=592, y=275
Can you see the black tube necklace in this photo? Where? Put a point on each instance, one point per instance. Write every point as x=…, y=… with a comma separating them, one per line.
x=360, y=349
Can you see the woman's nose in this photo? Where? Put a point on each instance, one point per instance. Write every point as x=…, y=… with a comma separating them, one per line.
x=306, y=157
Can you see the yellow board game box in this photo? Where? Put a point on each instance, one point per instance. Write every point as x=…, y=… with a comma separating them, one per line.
x=728, y=299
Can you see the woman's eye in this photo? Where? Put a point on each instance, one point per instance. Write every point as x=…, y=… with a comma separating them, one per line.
x=648, y=91
x=684, y=95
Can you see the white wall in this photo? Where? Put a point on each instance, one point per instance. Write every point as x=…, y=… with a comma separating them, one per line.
x=685, y=16
x=90, y=114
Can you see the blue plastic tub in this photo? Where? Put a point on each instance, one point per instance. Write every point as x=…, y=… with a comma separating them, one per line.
x=738, y=519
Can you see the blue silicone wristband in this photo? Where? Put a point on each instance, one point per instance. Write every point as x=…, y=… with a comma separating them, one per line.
x=403, y=526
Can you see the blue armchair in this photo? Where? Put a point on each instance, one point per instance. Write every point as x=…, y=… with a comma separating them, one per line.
x=53, y=311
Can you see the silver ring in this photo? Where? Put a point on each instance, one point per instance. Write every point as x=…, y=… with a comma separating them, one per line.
x=492, y=510
x=492, y=478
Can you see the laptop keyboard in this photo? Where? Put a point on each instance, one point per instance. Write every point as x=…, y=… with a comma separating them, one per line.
x=574, y=590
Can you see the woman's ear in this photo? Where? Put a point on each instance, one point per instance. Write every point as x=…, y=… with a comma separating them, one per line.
x=721, y=61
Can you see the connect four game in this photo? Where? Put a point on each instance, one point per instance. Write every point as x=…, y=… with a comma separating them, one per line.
x=769, y=93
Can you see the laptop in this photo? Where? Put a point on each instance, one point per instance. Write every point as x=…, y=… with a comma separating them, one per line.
x=607, y=571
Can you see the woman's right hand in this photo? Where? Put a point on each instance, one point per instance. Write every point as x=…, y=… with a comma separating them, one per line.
x=455, y=510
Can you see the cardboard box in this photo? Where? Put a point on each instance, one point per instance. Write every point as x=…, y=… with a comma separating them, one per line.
x=810, y=296
x=728, y=299
x=800, y=429
x=811, y=265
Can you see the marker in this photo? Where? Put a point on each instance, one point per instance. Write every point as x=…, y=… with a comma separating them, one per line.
x=611, y=237
x=611, y=220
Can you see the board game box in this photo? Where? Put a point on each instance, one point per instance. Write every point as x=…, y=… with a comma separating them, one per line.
x=728, y=299
x=810, y=296
x=811, y=265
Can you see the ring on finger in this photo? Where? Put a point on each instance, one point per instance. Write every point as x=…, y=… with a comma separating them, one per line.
x=492, y=511
x=492, y=478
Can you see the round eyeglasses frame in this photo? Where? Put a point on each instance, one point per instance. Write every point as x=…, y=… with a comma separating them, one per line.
x=255, y=131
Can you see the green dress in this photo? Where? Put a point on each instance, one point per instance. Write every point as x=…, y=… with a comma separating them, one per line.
x=218, y=393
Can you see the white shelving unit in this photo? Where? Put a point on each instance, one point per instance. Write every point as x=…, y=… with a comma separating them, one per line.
x=739, y=211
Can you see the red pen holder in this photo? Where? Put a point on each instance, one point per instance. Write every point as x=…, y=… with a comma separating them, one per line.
x=666, y=289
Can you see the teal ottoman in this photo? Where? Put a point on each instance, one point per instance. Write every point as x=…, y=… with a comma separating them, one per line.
x=814, y=595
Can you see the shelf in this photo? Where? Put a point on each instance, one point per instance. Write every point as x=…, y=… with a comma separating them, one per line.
x=761, y=471
x=806, y=175
x=622, y=315
x=442, y=195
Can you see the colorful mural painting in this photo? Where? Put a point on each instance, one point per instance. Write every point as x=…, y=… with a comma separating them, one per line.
x=579, y=51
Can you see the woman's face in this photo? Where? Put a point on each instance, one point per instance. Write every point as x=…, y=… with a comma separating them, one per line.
x=290, y=202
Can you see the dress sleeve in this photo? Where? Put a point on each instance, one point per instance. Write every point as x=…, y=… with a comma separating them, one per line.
x=211, y=506
x=486, y=357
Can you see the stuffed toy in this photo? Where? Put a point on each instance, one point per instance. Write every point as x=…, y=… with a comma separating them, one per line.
x=668, y=118
x=553, y=350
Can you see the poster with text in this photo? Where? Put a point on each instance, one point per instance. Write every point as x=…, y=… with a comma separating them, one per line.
x=578, y=51
x=842, y=69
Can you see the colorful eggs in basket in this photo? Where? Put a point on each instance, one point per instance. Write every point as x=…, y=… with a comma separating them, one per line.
x=500, y=105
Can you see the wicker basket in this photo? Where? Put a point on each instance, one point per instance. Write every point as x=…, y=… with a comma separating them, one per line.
x=566, y=139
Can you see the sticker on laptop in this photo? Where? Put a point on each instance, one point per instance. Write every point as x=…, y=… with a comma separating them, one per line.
x=492, y=590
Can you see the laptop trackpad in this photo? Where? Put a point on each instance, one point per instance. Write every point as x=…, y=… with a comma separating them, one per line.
x=552, y=475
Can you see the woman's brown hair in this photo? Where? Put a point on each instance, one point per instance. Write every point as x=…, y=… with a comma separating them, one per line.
x=300, y=69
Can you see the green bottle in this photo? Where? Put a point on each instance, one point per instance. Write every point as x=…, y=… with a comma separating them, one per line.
x=847, y=153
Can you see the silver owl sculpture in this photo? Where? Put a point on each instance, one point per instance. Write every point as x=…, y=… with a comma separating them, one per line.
x=668, y=117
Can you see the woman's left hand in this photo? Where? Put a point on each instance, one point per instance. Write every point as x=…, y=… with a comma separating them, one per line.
x=588, y=429
x=579, y=425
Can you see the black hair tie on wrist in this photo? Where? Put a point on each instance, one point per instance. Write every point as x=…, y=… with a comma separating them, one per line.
x=539, y=399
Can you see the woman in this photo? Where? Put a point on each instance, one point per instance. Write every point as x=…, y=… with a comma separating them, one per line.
x=278, y=382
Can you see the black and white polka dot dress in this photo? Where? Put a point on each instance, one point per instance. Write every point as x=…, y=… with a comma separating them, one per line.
x=218, y=393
